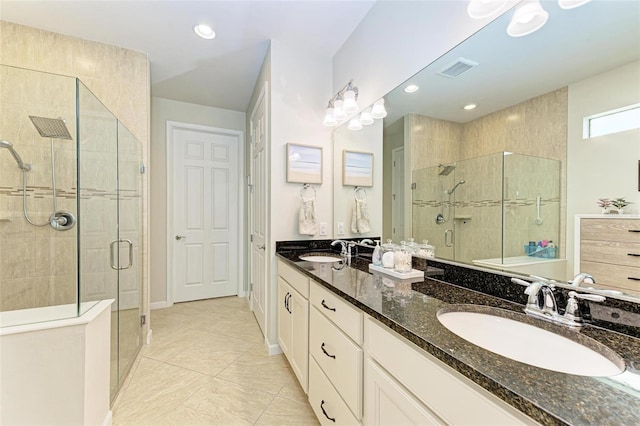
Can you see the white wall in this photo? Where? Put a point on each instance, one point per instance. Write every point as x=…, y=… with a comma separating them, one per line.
x=606, y=166
x=397, y=39
x=163, y=110
x=300, y=89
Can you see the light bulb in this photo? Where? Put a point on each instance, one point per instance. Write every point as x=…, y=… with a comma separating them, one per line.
x=480, y=9
x=365, y=117
x=329, y=120
x=355, y=124
x=411, y=88
x=528, y=17
x=204, y=31
x=338, y=110
x=350, y=104
x=378, y=111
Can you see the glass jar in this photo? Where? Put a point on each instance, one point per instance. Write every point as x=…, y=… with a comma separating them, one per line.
x=388, y=250
x=402, y=258
x=427, y=250
x=413, y=246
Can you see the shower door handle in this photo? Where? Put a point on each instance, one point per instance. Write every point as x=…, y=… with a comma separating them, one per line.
x=113, y=244
x=448, y=241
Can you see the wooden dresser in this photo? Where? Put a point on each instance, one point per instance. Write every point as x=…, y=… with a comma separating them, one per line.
x=608, y=247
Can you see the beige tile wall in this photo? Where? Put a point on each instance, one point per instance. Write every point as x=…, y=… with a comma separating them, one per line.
x=537, y=127
x=120, y=79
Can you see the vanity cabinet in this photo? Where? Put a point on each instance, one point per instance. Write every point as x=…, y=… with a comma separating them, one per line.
x=293, y=320
x=335, y=358
x=609, y=249
x=405, y=385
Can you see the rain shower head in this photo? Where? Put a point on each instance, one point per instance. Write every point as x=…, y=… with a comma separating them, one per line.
x=9, y=146
x=51, y=127
x=446, y=169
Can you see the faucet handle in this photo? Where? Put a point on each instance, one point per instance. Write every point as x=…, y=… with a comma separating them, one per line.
x=545, y=281
x=592, y=297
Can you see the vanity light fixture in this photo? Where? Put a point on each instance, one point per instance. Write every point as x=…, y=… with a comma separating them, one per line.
x=571, y=4
x=480, y=9
x=469, y=107
x=204, y=31
x=528, y=18
x=329, y=119
x=341, y=105
x=355, y=124
x=365, y=117
x=411, y=88
x=378, y=110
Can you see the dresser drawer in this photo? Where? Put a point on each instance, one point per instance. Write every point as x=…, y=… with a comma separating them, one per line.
x=296, y=279
x=624, y=230
x=341, y=313
x=325, y=400
x=339, y=358
x=617, y=277
x=614, y=252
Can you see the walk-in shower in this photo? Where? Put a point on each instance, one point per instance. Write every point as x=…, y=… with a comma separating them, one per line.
x=83, y=169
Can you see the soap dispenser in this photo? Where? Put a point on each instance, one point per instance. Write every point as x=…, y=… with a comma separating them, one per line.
x=376, y=258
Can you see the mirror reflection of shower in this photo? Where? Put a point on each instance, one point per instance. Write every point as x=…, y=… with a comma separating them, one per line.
x=445, y=170
x=52, y=128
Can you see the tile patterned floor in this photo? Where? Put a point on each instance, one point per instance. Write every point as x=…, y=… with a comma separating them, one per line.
x=207, y=365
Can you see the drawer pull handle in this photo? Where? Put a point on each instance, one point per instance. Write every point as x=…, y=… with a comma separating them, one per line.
x=324, y=305
x=287, y=299
x=333, y=419
x=633, y=254
x=633, y=278
x=633, y=230
x=326, y=353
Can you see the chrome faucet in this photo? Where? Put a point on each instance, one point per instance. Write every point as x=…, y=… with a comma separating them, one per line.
x=548, y=309
x=345, y=247
x=366, y=242
x=582, y=278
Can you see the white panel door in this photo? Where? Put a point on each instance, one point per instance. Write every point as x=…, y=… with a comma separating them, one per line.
x=258, y=215
x=205, y=214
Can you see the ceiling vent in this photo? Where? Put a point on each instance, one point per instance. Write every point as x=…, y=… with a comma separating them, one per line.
x=455, y=69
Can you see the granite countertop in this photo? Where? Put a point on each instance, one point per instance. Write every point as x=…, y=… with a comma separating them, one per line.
x=546, y=396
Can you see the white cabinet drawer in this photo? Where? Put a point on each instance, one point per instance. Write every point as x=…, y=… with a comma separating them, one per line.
x=297, y=280
x=325, y=401
x=339, y=358
x=341, y=313
x=438, y=386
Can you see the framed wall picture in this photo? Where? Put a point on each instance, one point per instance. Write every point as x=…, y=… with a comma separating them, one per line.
x=304, y=163
x=357, y=168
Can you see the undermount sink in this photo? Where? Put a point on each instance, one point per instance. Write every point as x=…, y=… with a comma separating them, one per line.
x=499, y=331
x=320, y=257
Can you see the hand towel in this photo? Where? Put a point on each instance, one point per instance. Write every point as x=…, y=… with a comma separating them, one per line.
x=307, y=217
x=360, y=222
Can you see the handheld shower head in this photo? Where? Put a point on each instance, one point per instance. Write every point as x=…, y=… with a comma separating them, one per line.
x=16, y=156
x=452, y=190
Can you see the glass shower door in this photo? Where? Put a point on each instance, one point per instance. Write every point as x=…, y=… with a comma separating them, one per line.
x=129, y=250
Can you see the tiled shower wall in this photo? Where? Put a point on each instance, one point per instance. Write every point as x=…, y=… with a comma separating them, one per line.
x=120, y=79
x=537, y=127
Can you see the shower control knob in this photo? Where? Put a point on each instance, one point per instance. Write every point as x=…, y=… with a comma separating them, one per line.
x=179, y=237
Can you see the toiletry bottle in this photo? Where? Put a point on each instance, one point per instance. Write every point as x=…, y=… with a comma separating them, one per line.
x=376, y=258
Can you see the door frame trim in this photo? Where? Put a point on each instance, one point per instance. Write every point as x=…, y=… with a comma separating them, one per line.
x=178, y=125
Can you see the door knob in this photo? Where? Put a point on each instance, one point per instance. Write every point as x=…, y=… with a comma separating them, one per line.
x=179, y=237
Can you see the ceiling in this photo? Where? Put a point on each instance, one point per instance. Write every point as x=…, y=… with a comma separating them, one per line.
x=573, y=45
x=220, y=72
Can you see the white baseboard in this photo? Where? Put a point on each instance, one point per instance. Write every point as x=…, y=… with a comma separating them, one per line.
x=108, y=420
x=160, y=305
x=273, y=349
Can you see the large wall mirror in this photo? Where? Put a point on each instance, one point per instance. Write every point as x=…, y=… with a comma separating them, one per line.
x=486, y=185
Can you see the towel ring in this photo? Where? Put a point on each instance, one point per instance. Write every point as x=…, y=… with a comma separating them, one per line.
x=305, y=187
x=357, y=190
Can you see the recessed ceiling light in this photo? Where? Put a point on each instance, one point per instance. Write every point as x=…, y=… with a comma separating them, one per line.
x=469, y=107
x=411, y=88
x=204, y=31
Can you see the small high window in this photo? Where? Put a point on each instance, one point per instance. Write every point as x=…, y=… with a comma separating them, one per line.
x=618, y=120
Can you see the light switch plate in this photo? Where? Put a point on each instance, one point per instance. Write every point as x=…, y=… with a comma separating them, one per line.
x=340, y=228
x=323, y=229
